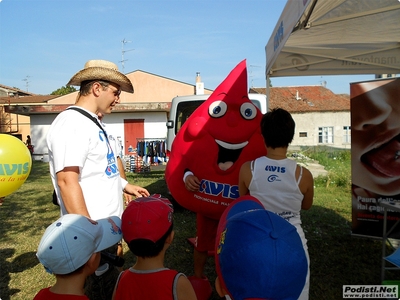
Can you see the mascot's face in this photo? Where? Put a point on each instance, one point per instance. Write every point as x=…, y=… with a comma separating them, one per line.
x=220, y=135
x=220, y=130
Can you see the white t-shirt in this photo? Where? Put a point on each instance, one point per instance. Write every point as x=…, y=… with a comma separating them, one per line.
x=75, y=140
x=115, y=144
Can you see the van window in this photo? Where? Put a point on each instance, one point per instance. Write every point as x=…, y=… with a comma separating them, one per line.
x=256, y=103
x=183, y=112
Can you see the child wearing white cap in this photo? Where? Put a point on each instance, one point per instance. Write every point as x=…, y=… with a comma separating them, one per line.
x=70, y=249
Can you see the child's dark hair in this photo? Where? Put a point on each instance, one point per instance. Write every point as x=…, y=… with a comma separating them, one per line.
x=277, y=128
x=147, y=248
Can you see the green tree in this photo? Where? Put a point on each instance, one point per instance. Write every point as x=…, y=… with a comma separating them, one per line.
x=64, y=90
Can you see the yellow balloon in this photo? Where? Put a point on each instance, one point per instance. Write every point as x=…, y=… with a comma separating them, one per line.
x=15, y=164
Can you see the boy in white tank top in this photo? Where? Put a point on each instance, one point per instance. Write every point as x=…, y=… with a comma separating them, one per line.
x=279, y=183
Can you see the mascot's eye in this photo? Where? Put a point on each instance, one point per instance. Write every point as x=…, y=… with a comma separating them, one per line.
x=248, y=111
x=217, y=109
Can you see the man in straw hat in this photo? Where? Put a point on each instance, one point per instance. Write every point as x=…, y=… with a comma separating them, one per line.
x=83, y=165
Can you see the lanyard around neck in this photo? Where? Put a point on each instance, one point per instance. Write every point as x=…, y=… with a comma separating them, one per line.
x=86, y=114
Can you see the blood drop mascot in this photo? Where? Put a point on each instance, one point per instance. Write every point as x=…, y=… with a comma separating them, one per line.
x=219, y=136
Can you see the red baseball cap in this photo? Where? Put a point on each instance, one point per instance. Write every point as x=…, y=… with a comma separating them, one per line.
x=147, y=218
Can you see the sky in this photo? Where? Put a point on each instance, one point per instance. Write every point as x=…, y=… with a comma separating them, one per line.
x=43, y=43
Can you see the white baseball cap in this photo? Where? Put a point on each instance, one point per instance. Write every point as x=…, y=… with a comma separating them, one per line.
x=69, y=242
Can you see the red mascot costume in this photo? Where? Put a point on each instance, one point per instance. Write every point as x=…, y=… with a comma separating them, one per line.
x=220, y=135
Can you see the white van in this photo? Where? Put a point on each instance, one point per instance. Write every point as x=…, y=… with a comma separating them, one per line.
x=183, y=106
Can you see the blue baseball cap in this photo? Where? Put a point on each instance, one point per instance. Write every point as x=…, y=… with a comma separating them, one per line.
x=259, y=255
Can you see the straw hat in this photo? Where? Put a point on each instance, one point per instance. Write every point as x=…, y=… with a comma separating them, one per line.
x=102, y=70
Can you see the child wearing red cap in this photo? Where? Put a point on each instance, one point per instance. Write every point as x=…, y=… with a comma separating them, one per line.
x=147, y=228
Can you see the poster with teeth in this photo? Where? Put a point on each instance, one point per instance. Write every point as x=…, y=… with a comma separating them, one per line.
x=375, y=154
x=219, y=136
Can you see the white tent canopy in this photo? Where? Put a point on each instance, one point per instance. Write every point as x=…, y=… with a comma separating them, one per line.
x=332, y=37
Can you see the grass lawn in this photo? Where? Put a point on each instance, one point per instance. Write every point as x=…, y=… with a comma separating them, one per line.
x=337, y=258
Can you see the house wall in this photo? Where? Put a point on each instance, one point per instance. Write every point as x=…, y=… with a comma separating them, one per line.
x=147, y=88
x=309, y=123
x=17, y=125
x=40, y=125
x=154, y=123
x=153, y=88
x=21, y=125
x=154, y=127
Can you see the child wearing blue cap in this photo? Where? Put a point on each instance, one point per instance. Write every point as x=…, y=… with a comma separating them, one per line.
x=258, y=254
x=70, y=249
x=279, y=183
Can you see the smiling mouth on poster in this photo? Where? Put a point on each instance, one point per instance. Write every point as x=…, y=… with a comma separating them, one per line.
x=375, y=151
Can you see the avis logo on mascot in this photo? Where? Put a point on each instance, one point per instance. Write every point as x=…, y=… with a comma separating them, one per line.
x=220, y=135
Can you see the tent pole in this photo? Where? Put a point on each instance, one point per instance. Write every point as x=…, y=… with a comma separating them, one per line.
x=267, y=91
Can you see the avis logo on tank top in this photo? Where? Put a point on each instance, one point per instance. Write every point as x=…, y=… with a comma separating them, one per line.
x=275, y=169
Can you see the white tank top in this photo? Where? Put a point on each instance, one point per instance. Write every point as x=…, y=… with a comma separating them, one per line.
x=274, y=184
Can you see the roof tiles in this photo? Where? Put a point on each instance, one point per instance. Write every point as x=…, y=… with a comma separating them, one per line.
x=301, y=99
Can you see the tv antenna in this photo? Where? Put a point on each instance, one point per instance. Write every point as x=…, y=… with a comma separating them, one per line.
x=124, y=41
x=323, y=82
x=26, y=79
x=251, y=73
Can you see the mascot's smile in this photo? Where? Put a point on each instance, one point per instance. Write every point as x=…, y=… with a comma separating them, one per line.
x=228, y=153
